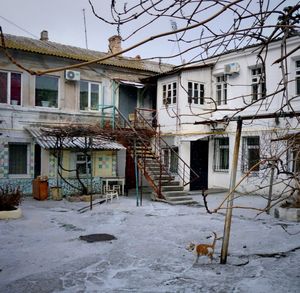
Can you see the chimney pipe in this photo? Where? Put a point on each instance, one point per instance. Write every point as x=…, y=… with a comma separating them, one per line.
x=114, y=45
x=44, y=36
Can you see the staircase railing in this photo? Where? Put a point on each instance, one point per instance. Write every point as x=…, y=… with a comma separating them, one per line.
x=184, y=172
x=122, y=123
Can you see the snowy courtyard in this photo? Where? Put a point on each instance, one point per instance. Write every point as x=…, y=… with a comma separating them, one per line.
x=42, y=251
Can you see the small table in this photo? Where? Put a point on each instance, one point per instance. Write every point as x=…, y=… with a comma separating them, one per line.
x=115, y=179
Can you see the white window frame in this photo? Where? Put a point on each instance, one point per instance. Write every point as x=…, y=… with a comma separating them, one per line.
x=221, y=89
x=258, y=84
x=169, y=93
x=83, y=162
x=8, y=97
x=169, y=158
x=297, y=77
x=18, y=175
x=245, y=153
x=196, y=93
x=58, y=92
x=100, y=95
x=217, y=154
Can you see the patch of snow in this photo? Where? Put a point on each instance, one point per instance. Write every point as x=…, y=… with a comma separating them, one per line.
x=42, y=252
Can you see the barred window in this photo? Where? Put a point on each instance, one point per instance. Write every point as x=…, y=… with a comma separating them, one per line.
x=221, y=154
x=251, y=153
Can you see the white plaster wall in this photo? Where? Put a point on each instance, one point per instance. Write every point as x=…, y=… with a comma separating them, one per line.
x=237, y=87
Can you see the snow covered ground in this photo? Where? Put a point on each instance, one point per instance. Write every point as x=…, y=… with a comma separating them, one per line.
x=42, y=252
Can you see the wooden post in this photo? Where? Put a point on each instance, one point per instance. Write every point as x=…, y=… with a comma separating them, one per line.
x=227, y=224
x=271, y=187
x=136, y=175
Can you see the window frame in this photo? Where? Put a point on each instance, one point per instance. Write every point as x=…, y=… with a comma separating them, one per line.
x=221, y=89
x=17, y=158
x=89, y=97
x=169, y=93
x=217, y=154
x=258, y=83
x=83, y=162
x=170, y=159
x=196, y=92
x=297, y=77
x=9, y=88
x=246, y=164
x=57, y=78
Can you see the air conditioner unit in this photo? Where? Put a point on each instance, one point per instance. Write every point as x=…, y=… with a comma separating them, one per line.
x=72, y=75
x=231, y=68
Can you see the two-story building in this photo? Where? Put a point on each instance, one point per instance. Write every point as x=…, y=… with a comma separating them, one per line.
x=198, y=106
x=81, y=96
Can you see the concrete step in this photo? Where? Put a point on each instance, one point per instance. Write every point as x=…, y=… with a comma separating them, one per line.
x=188, y=201
x=179, y=198
x=163, y=177
x=171, y=194
x=172, y=188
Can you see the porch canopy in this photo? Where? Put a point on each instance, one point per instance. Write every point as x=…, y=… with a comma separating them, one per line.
x=44, y=137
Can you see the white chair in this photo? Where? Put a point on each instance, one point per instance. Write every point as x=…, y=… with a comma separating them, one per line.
x=117, y=188
x=110, y=194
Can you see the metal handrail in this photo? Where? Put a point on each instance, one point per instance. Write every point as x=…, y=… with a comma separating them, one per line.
x=185, y=167
x=144, y=167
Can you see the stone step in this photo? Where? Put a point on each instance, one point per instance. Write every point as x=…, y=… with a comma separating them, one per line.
x=163, y=177
x=172, y=188
x=170, y=194
x=188, y=201
x=179, y=198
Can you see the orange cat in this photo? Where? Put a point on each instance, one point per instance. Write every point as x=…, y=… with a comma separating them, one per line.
x=203, y=249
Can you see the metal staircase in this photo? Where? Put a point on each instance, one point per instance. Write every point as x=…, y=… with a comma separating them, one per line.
x=143, y=140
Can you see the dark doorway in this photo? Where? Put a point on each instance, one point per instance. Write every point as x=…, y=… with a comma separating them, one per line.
x=130, y=172
x=37, y=160
x=199, y=163
x=127, y=100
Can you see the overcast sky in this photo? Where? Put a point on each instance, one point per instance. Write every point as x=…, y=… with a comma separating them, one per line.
x=64, y=21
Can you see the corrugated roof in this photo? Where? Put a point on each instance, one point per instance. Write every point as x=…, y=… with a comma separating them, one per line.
x=79, y=54
x=49, y=142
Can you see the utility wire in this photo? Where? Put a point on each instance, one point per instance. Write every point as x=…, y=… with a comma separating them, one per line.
x=19, y=27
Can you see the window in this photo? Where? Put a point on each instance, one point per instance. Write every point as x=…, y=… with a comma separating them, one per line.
x=90, y=95
x=17, y=159
x=251, y=153
x=10, y=88
x=195, y=93
x=298, y=77
x=170, y=159
x=221, y=90
x=83, y=163
x=221, y=159
x=258, y=84
x=174, y=160
x=169, y=93
x=46, y=91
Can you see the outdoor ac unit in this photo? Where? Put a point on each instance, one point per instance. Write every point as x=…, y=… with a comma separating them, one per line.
x=231, y=68
x=72, y=75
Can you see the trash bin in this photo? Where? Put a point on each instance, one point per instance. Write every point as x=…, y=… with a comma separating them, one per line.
x=40, y=188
